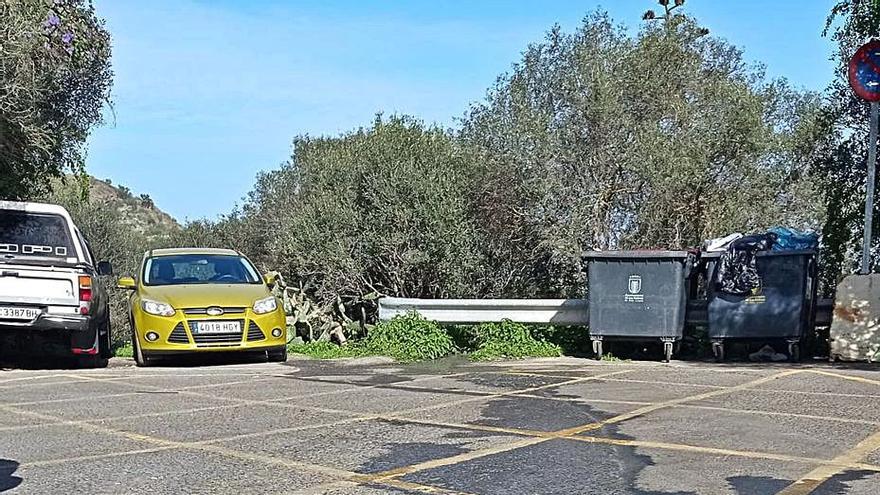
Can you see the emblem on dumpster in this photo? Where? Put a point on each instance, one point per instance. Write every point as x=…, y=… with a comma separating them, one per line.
x=757, y=295
x=634, y=290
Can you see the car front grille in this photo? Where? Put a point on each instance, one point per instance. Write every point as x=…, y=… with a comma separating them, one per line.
x=231, y=310
x=178, y=335
x=254, y=333
x=216, y=338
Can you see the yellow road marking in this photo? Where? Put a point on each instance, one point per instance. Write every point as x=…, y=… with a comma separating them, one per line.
x=457, y=459
x=190, y=445
x=569, y=432
x=672, y=402
x=407, y=485
x=389, y=477
x=94, y=457
x=72, y=399
x=846, y=377
x=815, y=478
x=759, y=412
x=27, y=379
x=324, y=488
x=467, y=426
x=721, y=452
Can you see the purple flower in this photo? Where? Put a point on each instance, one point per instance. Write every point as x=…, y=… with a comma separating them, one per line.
x=67, y=38
x=53, y=21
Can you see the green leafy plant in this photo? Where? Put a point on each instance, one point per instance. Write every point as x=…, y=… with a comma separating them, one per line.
x=611, y=358
x=509, y=340
x=409, y=338
x=125, y=351
x=323, y=349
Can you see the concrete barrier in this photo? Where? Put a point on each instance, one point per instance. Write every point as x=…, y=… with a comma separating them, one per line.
x=855, y=326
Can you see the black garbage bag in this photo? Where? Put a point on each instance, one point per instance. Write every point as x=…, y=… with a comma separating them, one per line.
x=737, y=273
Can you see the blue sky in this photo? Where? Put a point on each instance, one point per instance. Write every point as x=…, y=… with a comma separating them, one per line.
x=208, y=93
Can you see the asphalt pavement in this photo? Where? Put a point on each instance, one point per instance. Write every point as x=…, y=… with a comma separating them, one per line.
x=549, y=426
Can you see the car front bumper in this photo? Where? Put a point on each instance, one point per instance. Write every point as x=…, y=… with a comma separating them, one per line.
x=176, y=334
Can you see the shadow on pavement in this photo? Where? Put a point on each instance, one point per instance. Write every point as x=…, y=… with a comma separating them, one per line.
x=8, y=480
x=756, y=485
x=840, y=484
x=196, y=360
x=38, y=363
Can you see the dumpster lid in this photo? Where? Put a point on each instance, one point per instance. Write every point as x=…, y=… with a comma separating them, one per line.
x=646, y=254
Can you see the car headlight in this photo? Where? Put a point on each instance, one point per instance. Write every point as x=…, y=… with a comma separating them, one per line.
x=157, y=308
x=266, y=305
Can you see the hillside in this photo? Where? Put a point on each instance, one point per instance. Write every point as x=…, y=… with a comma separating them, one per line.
x=138, y=211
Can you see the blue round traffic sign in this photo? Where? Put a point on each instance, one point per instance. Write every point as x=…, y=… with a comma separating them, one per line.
x=864, y=71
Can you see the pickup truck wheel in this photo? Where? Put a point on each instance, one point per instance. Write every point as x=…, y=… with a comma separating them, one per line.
x=92, y=361
x=139, y=359
x=104, y=343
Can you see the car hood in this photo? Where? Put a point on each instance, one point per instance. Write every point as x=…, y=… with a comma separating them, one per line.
x=204, y=295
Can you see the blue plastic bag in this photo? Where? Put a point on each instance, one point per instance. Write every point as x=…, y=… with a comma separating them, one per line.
x=794, y=240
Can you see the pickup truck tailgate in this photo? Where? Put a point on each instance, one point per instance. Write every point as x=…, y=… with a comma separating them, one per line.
x=38, y=286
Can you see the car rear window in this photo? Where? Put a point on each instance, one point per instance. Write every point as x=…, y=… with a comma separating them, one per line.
x=40, y=235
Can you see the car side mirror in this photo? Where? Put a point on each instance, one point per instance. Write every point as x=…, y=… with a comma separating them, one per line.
x=270, y=279
x=127, y=283
x=105, y=268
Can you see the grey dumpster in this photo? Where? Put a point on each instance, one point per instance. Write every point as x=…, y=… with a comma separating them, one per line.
x=638, y=295
x=782, y=308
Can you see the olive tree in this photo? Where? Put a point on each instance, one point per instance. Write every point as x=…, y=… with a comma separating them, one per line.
x=383, y=209
x=598, y=139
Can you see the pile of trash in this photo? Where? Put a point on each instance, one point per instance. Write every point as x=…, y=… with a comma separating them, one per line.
x=736, y=272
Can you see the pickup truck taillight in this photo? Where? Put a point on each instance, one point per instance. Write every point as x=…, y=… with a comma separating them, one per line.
x=85, y=294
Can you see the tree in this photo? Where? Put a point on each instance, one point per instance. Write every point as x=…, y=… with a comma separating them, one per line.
x=840, y=164
x=110, y=236
x=381, y=209
x=601, y=140
x=54, y=80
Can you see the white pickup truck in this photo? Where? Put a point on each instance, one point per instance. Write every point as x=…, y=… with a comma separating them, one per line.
x=51, y=296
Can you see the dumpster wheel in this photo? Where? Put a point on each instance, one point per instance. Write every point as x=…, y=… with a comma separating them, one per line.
x=718, y=350
x=668, y=349
x=597, y=348
x=794, y=351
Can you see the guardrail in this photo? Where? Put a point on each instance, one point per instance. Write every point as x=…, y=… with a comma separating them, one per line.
x=466, y=311
x=550, y=311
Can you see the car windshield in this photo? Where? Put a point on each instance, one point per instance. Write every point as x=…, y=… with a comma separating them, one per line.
x=199, y=269
x=28, y=234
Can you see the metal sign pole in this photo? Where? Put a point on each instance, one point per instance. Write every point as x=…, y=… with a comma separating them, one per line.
x=869, y=199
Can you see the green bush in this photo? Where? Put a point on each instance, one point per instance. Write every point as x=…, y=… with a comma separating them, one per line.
x=509, y=340
x=323, y=349
x=124, y=350
x=573, y=340
x=409, y=338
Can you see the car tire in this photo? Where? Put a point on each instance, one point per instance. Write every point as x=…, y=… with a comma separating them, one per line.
x=105, y=343
x=277, y=355
x=140, y=359
x=91, y=361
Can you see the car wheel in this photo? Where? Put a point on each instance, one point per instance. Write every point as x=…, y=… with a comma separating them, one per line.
x=140, y=359
x=96, y=360
x=92, y=361
x=104, y=343
x=277, y=355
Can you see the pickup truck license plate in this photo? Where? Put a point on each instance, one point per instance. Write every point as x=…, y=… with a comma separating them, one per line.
x=15, y=313
x=210, y=327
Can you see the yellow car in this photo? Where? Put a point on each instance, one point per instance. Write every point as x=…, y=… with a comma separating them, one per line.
x=203, y=300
